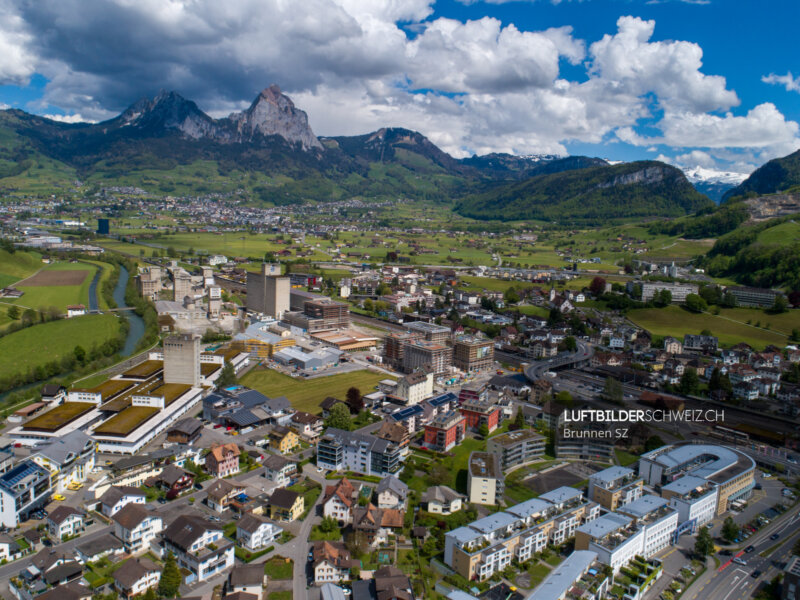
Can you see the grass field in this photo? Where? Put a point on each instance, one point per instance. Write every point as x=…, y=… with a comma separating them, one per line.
x=730, y=326
x=18, y=265
x=105, y=273
x=306, y=394
x=40, y=294
x=40, y=344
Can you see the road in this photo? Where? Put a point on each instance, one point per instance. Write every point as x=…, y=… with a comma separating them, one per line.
x=536, y=370
x=732, y=581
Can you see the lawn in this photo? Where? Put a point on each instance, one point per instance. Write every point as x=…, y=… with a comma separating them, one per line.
x=278, y=567
x=284, y=595
x=306, y=394
x=730, y=326
x=625, y=458
x=55, y=295
x=35, y=346
x=18, y=265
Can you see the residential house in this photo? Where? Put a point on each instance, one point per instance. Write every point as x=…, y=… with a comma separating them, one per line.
x=220, y=493
x=65, y=521
x=173, y=480
x=9, y=548
x=117, y=496
x=283, y=439
x=391, y=493
x=24, y=489
x=285, y=505
x=223, y=460
x=307, y=425
x=255, y=533
x=97, y=548
x=135, y=577
x=136, y=527
x=339, y=501
x=279, y=469
x=198, y=546
x=331, y=562
x=377, y=523
x=442, y=500
x=246, y=579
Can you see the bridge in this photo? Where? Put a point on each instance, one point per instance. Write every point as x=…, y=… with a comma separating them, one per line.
x=572, y=360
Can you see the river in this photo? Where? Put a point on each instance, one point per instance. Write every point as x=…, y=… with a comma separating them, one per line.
x=136, y=330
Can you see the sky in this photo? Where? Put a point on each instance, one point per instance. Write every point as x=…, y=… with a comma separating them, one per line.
x=710, y=84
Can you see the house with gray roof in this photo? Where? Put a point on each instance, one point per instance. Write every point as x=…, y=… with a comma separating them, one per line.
x=442, y=500
x=69, y=458
x=391, y=493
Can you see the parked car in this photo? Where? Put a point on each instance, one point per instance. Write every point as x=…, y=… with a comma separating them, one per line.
x=749, y=549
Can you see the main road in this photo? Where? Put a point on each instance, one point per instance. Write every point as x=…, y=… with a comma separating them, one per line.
x=536, y=370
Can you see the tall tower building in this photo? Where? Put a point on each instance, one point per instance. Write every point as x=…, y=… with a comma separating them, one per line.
x=268, y=291
x=182, y=359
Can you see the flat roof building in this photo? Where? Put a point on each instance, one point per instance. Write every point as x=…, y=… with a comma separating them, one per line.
x=517, y=447
x=485, y=481
x=182, y=360
x=268, y=291
x=614, y=487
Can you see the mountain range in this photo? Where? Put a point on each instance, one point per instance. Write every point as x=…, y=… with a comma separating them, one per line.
x=167, y=145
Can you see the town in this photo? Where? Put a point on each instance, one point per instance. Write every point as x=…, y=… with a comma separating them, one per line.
x=332, y=428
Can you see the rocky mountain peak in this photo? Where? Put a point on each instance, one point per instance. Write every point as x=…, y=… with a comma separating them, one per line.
x=274, y=113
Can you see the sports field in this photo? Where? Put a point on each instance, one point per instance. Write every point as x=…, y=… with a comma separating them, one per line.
x=730, y=326
x=58, y=284
x=40, y=344
x=306, y=394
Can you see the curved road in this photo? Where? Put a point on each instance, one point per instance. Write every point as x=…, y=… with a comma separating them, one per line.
x=536, y=370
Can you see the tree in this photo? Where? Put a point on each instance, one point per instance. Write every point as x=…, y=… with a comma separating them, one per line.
x=695, y=303
x=328, y=525
x=564, y=398
x=598, y=286
x=439, y=474
x=690, y=383
x=704, y=545
x=483, y=430
x=170, y=582
x=227, y=377
x=730, y=530
x=150, y=594
x=652, y=443
x=511, y=296
x=339, y=417
x=519, y=420
x=612, y=390
x=354, y=400
x=430, y=547
x=80, y=354
x=781, y=304
x=570, y=344
x=13, y=313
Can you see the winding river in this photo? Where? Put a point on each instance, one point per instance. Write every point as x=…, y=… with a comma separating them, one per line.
x=136, y=330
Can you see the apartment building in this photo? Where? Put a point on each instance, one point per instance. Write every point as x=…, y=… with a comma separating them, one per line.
x=340, y=450
x=488, y=545
x=615, y=487
x=750, y=296
x=445, y=431
x=472, y=354
x=421, y=354
x=430, y=332
x=679, y=291
x=485, y=481
x=24, y=489
x=70, y=459
x=517, y=447
x=481, y=411
x=394, y=348
x=415, y=387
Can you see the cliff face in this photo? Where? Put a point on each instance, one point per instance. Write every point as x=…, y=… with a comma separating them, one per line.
x=273, y=113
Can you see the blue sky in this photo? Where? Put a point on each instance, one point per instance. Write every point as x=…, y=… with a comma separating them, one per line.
x=682, y=81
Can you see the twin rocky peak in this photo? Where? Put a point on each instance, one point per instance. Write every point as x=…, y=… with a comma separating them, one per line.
x=272, y=113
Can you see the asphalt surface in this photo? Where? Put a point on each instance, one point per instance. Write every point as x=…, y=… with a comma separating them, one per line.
x=536, y=370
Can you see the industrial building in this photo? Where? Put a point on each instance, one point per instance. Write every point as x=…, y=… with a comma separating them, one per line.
x=268, y=291
x=182, y=359
x=148, y=282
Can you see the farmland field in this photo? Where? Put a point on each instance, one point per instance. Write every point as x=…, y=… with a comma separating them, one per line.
x=40, y=344
x=18, y=265
x=730, y=326
x=58, y=284
x=306, y=394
